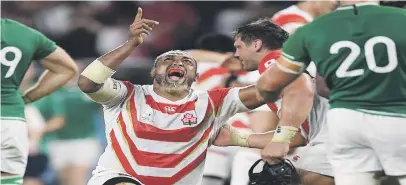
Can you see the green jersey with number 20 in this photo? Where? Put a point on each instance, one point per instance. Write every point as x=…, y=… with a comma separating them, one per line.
x=19, y=46
x=360, y=50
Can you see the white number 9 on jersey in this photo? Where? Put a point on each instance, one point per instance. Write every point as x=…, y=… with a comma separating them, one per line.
x=343, y=71
x=12, y=64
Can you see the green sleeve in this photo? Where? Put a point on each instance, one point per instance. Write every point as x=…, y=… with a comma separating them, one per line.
x=44, y=45
x=294, y=49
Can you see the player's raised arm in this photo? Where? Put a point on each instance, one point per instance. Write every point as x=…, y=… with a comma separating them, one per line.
x=95, y=79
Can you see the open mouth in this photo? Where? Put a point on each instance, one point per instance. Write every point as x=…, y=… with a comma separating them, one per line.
x=176, y=74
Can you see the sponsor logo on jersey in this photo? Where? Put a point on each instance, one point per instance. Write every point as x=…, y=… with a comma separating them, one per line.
x=170, y=109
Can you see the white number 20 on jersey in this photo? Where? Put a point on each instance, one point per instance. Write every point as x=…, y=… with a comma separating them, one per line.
x=343, y=71
x=12, y=64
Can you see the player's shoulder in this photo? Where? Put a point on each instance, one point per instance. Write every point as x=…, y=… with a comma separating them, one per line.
x=10, y=22
x=290, y=15
x=15, y=25
x=220, y=93
x=269, y=59
x=317, y=23
x=134, y=89
x=391, y=10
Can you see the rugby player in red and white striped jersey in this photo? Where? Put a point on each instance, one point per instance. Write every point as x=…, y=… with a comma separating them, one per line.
x=159, y=133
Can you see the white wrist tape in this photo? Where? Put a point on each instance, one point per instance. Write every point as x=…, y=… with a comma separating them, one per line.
x=98, y=72
x=284, y=134
x=108, y=91
x=237, y=138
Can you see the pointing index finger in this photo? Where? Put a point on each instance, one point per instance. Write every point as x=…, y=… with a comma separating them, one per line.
x=139, y=15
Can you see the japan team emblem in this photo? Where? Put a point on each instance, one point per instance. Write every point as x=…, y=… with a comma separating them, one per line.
x=189, y=119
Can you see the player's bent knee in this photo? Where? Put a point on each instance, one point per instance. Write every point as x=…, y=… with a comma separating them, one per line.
x=311, y=178
x=369, y=178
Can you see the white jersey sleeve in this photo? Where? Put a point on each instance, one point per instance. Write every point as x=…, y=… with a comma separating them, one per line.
x=226, y=103
x=121, y=93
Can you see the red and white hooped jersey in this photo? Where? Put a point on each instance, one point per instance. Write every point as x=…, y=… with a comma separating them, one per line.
x=164, y=142
x=292, y=18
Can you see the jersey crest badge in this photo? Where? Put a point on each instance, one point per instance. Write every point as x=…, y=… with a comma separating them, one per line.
x=189, y=119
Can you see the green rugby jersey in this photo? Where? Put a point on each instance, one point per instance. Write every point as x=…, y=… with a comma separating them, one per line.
x=20, y=45
x=361, y=52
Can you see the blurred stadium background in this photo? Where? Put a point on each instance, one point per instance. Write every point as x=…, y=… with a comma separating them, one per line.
x=89, y=29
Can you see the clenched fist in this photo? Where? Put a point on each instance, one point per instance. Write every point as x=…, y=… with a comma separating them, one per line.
x=274, y=152
x=140, y=28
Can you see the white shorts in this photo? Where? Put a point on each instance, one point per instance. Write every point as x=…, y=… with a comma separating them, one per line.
x=84, y=152
x=107, y=177
x=361, y=142
x=312, y=158
x=14, y=146
x=219, y=161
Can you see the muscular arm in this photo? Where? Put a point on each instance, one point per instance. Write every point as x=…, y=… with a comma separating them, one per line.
x=60, y=68
x=112, y=60
x=296, y=106
x=95, y=79
x=297, y=97
x=297, y=101
x=229, y=136
x=260, y=140
x=249, y=98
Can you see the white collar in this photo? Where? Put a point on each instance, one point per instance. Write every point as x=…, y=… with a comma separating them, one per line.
x=159, y=98
x=347, y=7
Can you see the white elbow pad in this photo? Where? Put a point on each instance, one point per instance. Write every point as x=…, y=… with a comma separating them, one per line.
x=97, y=72
x=110, y=89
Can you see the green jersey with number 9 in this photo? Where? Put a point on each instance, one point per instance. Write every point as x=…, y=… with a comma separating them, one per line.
x=360, y=50
x=20, y=45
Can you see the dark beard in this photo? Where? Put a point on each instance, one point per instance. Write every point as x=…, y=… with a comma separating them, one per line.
x=173, y=87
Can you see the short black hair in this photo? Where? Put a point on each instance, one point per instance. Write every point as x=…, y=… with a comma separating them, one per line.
x=216, y=42
x=271, y=35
